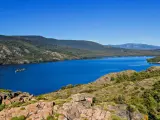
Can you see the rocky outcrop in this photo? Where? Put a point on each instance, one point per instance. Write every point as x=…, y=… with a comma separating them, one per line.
x=153, y=68
x=8, y=98
x=81, y=107
x=36, y=111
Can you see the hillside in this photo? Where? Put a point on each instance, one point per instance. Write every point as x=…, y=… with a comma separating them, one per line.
x=33, y=49
x=154, y=60
x=79, y=44
x=137, y=46
x=127, y=95
x=14, y=51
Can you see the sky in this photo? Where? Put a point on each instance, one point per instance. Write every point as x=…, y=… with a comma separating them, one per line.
x=103, y=21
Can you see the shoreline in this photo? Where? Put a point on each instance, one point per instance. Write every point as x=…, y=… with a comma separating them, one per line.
x=85, y=58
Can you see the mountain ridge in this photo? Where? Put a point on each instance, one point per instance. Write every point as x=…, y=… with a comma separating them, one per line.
x=137, y=46
x=34, y=49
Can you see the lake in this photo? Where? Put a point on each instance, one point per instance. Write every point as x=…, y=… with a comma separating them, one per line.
x=47, y=77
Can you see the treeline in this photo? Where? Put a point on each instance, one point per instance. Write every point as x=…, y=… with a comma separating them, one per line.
x=154, y=60
x=136, y=76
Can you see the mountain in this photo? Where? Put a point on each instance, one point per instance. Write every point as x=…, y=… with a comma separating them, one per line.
x=125, y=95
x=19, y=51
x=137, y=46
x=79, y=44
x=33, y=49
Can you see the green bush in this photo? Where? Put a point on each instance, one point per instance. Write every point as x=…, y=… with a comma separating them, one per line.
x=50, y=118
x=115, y=117
x=67, y=87
x=2, y=106
x=151, y=100
x=16, y=104
x=19, y=118
x=131, y=108
x=120, y=99
x=112, y=78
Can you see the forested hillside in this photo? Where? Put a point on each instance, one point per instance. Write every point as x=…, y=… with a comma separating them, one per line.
x=29, y=49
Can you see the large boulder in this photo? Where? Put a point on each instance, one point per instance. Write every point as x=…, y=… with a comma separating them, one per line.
x=36, y=111
x=80, y=107
x=10, y=97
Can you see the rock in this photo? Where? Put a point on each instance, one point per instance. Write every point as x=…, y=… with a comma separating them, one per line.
x=10, y=97
x=35, y=111
x=82, y=97
x=15, y=94
x=153, y=68
x=62, y=117
x=6, y=102
x=78, y=97
x=3, y=95
x=80, y=108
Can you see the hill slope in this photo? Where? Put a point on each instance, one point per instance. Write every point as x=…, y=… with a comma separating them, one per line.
x=79, y=44
x=154, y=60
x=16, y=51
x=28, y=49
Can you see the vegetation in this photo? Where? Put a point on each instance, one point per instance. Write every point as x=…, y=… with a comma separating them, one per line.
x=154, y=60
x=34, y=49
x=50, y=118
x=140, y=91
x=19, y=118
x=5, y=91
x=2, y=106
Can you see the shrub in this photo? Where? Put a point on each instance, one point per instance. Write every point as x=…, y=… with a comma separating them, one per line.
x=41, y=97
x=5, y=91
x=131, y=108
x=16, y=104
x=19, y=118
x=22, y=108
x=115, y=117
x=50, y=117
x=2, y=106
x=120, y=99
x=67, y=87
x=112, y=78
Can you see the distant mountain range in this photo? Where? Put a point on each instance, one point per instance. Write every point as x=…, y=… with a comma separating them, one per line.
x=137, y=46
x=31, y=49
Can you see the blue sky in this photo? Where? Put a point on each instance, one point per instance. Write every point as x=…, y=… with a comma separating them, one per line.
x=103, y=21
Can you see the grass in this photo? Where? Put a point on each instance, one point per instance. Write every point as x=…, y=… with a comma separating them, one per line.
x=19, y=118
x=2, y=106
x=139, y=91
x=5, y=91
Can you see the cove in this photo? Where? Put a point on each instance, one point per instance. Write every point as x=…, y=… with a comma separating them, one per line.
x=48, y=77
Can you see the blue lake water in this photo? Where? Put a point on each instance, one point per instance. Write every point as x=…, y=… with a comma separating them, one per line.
x=47, y=77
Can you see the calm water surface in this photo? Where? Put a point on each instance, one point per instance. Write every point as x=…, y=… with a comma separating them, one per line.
x=47, y=77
